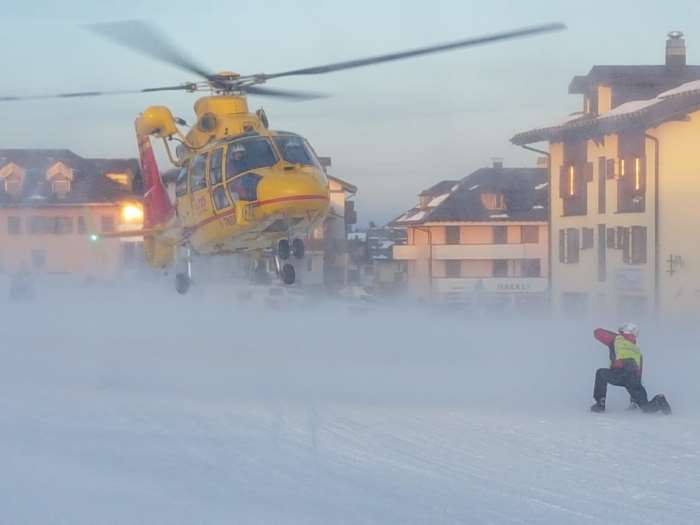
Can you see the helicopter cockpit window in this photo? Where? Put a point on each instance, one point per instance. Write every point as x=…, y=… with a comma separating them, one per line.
x=197, y=180
x=181, y=183
x=249, y=154
x=295, y=150
x=215, y=157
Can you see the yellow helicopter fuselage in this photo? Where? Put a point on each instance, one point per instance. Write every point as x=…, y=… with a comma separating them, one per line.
x=241, y=186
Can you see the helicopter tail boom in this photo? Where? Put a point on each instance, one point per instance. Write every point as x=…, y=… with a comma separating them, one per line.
x=157, y=207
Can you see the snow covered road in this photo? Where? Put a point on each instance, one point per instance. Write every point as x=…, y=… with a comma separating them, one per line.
x=128, y=409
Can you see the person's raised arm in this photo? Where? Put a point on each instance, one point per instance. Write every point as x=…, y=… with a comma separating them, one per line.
x=604, y=336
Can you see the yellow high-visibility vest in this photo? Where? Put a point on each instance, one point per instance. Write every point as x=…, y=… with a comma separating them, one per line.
x=626, y=349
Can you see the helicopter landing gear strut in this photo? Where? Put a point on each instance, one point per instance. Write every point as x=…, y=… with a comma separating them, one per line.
x=285, y=270
x=183, y=276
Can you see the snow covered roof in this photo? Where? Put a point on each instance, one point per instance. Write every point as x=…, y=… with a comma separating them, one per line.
x=643, y=114
x=438, y=200
x=524, y=190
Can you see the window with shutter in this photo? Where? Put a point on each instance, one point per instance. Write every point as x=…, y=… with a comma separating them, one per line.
x=625, y=245
x=602, y=259
x=530, y=234
x=500, y=267
x=632, y=173
x=453, y=268
x=452, y=235
x=562, y=246
x=530, y=268
x=602, y=177
x=610, y=169
x=586, y=238
x=572, y=245
x=638, y=245
x=500, y=234
x=612, y=244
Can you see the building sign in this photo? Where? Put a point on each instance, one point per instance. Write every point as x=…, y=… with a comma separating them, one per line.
x=493, y=285
x=523, y=285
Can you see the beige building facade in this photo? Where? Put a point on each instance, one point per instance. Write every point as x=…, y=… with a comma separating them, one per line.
x=54, y=206
x=480, y=242
x=624, y=192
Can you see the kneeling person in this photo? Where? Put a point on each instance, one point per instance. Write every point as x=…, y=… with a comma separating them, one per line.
x=625, y=370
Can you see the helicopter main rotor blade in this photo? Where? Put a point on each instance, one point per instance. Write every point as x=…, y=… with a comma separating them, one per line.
x=282, y=93
x=148, y=40
x=350, y=64
x=79, y=94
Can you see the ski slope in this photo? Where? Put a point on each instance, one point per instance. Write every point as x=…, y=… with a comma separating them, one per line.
x=145, y=407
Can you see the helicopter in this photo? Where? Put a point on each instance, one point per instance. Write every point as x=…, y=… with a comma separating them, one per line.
x=242, y=188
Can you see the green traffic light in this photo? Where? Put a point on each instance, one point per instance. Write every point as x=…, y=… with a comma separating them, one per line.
x=94, y=237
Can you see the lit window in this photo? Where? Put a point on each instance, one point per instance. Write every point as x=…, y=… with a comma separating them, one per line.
x=637, y=178
x=572, y=180
x=622, y=167
x=132, y=213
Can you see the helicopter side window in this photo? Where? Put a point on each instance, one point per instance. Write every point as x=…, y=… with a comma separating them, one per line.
x=215, y=158
x=249, y=154
x=197, y=179
x=181, y=182
x=220, y=198
x=244, y=188
x=295, y=150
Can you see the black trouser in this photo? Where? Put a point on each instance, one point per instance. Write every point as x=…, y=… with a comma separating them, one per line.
x=625, y=377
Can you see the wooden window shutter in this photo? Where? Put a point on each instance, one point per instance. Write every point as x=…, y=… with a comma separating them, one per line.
x=626, y=255
x=628, y=179
x=586, y=238
x=572, y=245
x=562, y=246
x=639, y=245
x=642, y=175
x=602, y=167
x=610, y=169
x=611, y=238
x=564, y=182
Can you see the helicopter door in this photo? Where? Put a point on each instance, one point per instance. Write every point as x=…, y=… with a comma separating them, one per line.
x=202, y=208
x=182, y=197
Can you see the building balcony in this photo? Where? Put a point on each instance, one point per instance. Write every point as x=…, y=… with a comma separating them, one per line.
x=409, y=252
x=471, y=251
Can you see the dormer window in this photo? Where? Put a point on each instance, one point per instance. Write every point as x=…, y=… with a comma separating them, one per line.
x=13, y=185
x=12, y=177
x=60, y=176
x=493, y=201
x=60, y=187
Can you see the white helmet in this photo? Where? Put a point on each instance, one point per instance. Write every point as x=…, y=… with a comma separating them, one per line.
x=629, y=328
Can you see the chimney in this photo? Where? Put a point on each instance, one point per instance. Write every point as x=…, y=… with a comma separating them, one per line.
x=675, y=50
x=497, y=162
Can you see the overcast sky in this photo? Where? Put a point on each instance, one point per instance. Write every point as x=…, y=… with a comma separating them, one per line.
x=391, y=129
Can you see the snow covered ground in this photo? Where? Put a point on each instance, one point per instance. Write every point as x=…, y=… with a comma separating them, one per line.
x=146, y=407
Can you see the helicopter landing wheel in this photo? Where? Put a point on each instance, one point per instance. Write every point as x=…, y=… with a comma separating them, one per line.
x=298, y=248
x=288, y=274
x=182, y=283
x=283, y=249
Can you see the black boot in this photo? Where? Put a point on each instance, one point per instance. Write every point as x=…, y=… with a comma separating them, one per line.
x=663, y=404
x=599, y=405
